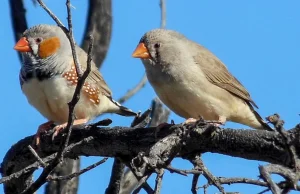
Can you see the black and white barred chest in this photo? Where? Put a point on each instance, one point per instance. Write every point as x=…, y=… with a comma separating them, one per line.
x=40, y=74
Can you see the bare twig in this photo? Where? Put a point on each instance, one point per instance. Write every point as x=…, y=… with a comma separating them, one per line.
x=278, y=124
x=163, y=14
x=37, y=164
x=141, y=120
x=29, y=168
x=284, y=185
x=158, y=181
x=76, y=174
x=204, y=187
x=267, y=177
x=76, y=95
x=194, y=160
x=98, y=23
x=18, y=19
x=66, y=167
x=115, y=178
x=142, y=184
x=143, y=81
x=181, y=171
x=175, y=170
x=104, y=122
x=52, y=15
x=73, y=46
x=194, y=183
x=134, y=90
x=288, y=174
x=197, y=162
x=141, y=175
x=69, y=32
x=159, y=114
x=40, y=160
x=81, y=79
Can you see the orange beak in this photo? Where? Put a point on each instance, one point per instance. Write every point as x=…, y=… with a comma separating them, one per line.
x=22, y=45
x=141, y=52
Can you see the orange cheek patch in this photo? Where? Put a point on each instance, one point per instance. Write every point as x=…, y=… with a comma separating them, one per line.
x=92, y=93
x=48, y=47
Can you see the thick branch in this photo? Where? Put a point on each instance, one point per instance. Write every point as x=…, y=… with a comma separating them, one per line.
x=122, y=142
x=67, y=167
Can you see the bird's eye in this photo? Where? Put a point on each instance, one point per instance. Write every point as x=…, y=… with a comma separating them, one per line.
x=38, y=40
x=156, y=45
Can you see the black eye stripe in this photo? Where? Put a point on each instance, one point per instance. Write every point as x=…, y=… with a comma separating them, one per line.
x=156, y=45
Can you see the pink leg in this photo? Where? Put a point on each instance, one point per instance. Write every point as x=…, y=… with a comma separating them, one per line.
x=42, y=128
x=59, y=128
x=221, y=121
x=190, y=120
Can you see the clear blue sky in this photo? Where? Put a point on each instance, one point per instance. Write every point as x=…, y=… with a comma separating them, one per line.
x=257, y=40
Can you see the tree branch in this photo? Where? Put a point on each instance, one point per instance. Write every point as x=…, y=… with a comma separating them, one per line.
x=76, y=96
x=118, y=166
x=143, y=81
x=159, y=114
x=76, y=174
x=61, y=186
x=99, y=24
x=122, y=142
x=134, y=90
x=18, y=19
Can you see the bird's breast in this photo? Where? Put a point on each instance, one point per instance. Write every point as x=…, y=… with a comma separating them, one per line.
x=49, y=97
x=193, y=96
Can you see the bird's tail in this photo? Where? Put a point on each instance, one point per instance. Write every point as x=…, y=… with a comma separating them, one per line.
x=123, y=110
x=264, y=124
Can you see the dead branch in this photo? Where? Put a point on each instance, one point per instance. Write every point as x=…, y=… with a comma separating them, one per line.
x=118, y=166
x=81, y=79
x=134, y=90
x=99, y=24
x=159, y=114
x=67, y=167
x=76, y=174
x=143, y=81
x=18, y=19
x=172, y=140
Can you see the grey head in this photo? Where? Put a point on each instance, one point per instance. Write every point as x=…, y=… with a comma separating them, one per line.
x=162, y=45
x=44, y=49
x=163, y=52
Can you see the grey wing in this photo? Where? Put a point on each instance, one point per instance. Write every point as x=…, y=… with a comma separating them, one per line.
x=95, y=76
x=217, y=73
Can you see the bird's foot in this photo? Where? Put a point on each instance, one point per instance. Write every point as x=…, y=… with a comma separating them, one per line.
x=42, y=128
x=59, y=128
x=219, y=122
x=190, y=120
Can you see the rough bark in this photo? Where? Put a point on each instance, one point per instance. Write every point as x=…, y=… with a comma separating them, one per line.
x=126, y=143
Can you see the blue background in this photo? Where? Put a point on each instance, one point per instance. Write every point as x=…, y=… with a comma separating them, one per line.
x=257, y=40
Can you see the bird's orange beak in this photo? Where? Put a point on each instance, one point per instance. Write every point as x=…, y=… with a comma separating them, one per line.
x=22, y=45
x=141, y=52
